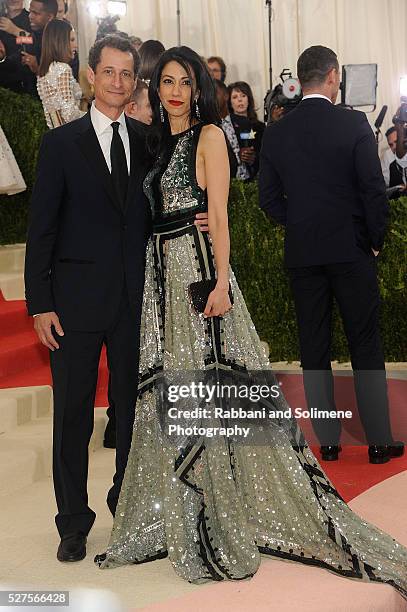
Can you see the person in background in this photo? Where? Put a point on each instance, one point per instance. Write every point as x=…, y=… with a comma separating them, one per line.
x=136, y=42
x=320, y=178
x=247, y=126
x=238, y=168
x=41, y=12
x=139, y=107
x=393, y=172
x=62, y=12
x=401, y=145
x=217, y=68
x=13, y=75
x=59, y=92
x=62, y=9
x=15, y=21
x=150, y=52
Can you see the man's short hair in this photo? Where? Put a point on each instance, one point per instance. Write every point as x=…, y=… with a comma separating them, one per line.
x=113, y=41
x=219, y=60
x=390, y=131
x=140, y=87
x=314, y=64
x=50, y=6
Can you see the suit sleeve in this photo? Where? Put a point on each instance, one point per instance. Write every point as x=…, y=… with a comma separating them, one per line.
x=44, y=211
x=271, y=192
x=371, y=183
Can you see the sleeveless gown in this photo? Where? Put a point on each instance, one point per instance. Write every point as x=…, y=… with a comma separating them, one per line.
x=215, y=508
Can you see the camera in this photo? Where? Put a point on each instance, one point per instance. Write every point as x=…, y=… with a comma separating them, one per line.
x=285, y=96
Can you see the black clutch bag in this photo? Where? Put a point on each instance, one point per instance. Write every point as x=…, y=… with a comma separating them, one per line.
x=199, y=293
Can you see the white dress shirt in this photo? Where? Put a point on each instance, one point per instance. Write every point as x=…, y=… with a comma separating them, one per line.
x=104, y=132
x=309, y=96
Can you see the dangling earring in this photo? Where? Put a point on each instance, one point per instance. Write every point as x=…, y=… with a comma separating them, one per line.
x=161, y=113
x=197, y=113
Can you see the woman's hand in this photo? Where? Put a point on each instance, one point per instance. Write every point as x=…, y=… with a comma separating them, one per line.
x=218, y=302
x=248, y=155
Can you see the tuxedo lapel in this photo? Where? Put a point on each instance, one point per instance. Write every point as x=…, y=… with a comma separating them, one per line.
x=88, y=143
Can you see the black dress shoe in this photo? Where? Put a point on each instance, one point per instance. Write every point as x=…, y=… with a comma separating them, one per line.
x=109, y=440
x=72, y=547
x=379, y=454
x=396, y=449
x=331, y=452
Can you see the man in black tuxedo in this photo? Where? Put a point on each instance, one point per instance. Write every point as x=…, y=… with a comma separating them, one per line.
x=320, y=177
x=84, y=272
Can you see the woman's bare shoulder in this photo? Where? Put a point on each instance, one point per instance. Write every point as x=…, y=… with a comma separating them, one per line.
x=213, y=133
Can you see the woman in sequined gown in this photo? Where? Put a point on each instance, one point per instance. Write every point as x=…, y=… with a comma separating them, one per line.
x=214, y=508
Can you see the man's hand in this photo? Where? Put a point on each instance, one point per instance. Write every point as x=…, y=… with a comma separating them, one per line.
x=8, y=26
x=30, y=61
x=2, y=50
x=201, y=221
x=43, y=326
x=375, y=253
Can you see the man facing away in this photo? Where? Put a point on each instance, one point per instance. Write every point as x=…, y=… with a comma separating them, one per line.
x=320, y=177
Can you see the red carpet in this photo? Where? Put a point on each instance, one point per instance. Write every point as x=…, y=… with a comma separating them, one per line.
x=24, y=363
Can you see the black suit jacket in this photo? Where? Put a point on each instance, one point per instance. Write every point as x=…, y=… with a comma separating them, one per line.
x=83, y=251
x=320, y=176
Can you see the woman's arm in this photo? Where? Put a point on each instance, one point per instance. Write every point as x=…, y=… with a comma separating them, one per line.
x=213, y=153
x=68, y=103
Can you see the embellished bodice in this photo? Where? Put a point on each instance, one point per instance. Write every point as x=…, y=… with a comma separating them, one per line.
x=171, y=186
x=59, y=91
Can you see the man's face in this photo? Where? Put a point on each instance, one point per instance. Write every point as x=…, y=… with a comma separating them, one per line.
x=61, y=9
x=113, y=80
x=15, y=5
x=215, y=70
x=392, y=141
x=38, y=16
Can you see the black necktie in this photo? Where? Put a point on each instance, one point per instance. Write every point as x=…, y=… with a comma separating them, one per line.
x=120, y=176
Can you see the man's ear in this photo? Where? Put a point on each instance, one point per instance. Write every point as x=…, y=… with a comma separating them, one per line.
x=91, y=75
x=332, y=76
x=131, y=108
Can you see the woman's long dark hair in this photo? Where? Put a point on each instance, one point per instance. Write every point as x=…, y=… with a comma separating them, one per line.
x=246, y=89
x=55, y=44
x=159, y=131
x=150, y=52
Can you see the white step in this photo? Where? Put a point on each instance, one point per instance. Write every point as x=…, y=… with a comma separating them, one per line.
x=12, y=285
x=26, y=452
x=12, y=258
x=22, y=404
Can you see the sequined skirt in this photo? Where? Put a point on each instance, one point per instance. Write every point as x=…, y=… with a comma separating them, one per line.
x=215, y=506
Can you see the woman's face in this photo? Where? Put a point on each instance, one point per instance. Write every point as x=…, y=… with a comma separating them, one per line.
x=175, y=89
x=239, y=102
x=72, y=42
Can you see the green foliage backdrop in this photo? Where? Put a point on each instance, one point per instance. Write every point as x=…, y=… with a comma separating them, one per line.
x=257, y=247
